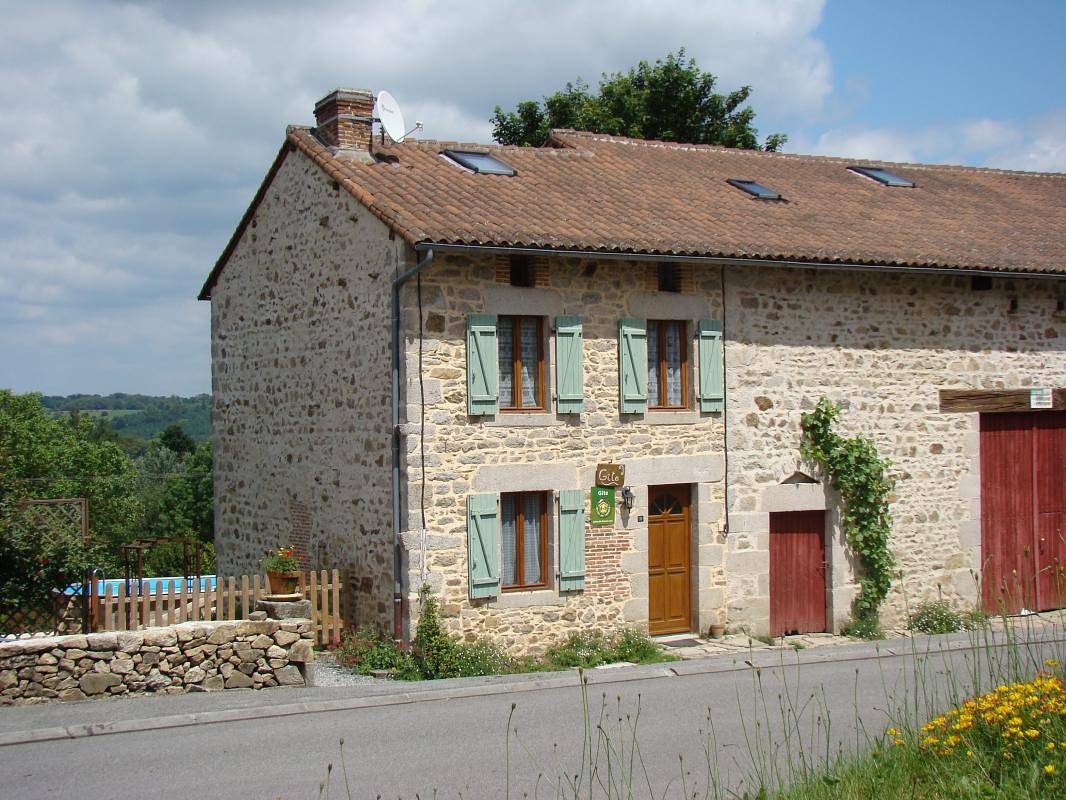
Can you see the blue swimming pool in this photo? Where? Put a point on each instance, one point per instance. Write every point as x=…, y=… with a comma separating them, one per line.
x=149, y=585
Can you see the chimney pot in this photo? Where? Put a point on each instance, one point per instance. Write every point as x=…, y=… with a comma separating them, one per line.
x=344, y=119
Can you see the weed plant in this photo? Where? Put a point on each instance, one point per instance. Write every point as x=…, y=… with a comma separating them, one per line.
x=435, y=654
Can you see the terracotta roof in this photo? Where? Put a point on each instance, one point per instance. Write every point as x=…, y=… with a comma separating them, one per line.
x=614, y=194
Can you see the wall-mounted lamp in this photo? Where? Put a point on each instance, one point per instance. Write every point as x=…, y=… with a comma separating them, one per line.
x=627, y=498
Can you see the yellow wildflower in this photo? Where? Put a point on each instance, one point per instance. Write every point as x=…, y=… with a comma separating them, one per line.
x=1050, y=769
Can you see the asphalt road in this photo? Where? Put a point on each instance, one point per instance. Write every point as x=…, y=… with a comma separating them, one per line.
x=449, y=737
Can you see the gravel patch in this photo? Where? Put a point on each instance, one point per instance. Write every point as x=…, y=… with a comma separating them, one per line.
x=325, y=672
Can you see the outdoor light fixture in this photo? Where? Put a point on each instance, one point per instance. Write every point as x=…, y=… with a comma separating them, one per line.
x=627, y=498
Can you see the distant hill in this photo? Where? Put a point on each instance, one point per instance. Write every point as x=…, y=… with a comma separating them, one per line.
x=140, y=415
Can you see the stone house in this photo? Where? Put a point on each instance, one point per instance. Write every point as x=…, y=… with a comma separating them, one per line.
x=422, y=351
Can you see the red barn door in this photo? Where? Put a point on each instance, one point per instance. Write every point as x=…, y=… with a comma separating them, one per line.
x=1023, y=511
x=797, y=572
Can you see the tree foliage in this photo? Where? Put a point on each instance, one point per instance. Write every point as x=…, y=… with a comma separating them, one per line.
x=46, y=458
x=861, y=476
x=43, y=456
x=175, y=438
x=670, y=100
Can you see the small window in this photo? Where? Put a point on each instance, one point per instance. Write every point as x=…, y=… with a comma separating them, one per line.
x=667, y=365
x=980, y=283
x=755, y=188
x=522, y=273
x=882, y=176
x=524, y=540
x=670, y=278
x=521, y=363
x=482, y=163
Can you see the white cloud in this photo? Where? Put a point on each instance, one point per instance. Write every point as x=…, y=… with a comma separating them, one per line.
x=133, y=135
x=1038, y=144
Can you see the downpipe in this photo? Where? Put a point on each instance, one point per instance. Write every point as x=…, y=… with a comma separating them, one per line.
x=397, y=545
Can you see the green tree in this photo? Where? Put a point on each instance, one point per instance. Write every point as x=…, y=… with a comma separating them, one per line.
x=188, y=498
x=46, y=458
x=670, y=100
x=175, y=438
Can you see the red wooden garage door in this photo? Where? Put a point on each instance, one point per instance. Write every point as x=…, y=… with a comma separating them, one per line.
x=797, y=572
x=1023, y=511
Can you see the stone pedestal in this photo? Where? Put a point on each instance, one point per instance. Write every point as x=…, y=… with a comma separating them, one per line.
x=284, y=609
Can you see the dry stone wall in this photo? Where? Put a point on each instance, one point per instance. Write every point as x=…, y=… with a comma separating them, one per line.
x=190, y=657
x=301, y=387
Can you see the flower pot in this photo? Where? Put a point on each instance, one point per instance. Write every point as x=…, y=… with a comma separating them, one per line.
x=283, y=582
x=716, y=631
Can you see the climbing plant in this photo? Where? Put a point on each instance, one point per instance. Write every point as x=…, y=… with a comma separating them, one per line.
x=861, y=476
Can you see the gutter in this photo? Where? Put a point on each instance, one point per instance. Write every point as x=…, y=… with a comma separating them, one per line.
x=397, y=592
x=730, y=261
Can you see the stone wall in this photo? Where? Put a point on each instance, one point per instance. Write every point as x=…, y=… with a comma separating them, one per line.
x=301, y=387
x=190, y=657
x=553, y=452
x=882, y=345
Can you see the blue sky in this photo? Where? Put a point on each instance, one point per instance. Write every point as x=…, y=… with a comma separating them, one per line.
x=113, y=211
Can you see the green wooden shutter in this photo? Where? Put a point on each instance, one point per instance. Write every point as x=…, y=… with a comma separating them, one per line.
x=712, y=382
x=482, y=358
x=571, y=540
x=633, y=365
x=569, y=366
x=483, y=545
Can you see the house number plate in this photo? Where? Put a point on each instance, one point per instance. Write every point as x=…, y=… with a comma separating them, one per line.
x=610, y=474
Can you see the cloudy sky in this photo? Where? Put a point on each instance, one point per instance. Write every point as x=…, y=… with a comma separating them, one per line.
x=133, y=135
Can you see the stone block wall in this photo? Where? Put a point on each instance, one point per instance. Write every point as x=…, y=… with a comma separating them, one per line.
x=190, y=657
x=301, y=387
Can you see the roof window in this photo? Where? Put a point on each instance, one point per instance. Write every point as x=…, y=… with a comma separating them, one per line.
x=755, y=188
x=883, y=176
x=481, y=163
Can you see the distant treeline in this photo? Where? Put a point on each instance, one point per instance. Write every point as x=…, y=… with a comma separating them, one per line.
x=140, y=416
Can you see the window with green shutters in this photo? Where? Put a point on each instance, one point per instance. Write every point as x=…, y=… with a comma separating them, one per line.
x=482, y=384
x=569, y=366
x=483, y=545
x=712, y=378
x=632, y=366
x=571, y=540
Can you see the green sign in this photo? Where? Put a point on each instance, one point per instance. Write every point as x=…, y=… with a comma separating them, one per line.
x=601, y=500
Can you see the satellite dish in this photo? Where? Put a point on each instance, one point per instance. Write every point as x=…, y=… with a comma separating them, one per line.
x=388, y=113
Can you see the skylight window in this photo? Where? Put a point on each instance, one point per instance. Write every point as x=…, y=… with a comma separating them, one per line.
x=481, y=163
x=883, y=176
x=755, y=188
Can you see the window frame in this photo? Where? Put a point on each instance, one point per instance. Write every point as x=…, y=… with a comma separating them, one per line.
x=516, y=364
x=685, y=388
x=520, y=543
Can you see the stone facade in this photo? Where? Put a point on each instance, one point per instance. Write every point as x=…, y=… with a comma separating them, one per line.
x=300, y=353
x=552, y=452
x=301, y=387
x=882, y=345
x=190, y=657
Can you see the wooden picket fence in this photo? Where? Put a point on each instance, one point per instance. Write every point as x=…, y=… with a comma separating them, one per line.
x=122, y=609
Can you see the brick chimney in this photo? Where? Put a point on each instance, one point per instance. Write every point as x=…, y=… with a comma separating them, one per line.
x=344, y=119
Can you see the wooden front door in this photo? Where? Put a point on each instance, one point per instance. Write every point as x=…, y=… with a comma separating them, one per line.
x=797, y=572
x=1023, y=511
x=669, y=559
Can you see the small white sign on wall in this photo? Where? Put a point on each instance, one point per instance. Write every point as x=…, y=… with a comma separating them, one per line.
x=1040, y=398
